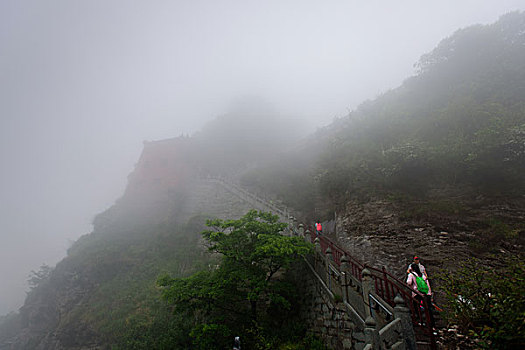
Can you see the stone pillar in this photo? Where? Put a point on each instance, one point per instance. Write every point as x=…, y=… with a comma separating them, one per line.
x=402, y=312
x=317, y=244
x=318, y=257
x=308, y=235
x=345, y=267
x=372, y=334
x=293, y=226
x=329, y=260
x=368, y=287
x=329, y=254
x=301, y=230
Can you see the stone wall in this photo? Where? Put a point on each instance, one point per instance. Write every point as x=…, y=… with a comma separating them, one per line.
x=325, y=313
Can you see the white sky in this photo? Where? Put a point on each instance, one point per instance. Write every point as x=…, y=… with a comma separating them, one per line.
x=83, y=83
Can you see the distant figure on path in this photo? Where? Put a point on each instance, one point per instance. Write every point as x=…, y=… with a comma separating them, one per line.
x=237, y=343
x=419, y=265
x=318, y=228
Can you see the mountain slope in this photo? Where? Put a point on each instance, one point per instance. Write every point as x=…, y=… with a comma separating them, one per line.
x=105, y=289
x=459, y=125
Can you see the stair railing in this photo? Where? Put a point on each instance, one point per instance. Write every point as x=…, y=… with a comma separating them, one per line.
x=387, y=286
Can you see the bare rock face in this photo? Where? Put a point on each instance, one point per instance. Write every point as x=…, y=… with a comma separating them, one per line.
x=442, y=232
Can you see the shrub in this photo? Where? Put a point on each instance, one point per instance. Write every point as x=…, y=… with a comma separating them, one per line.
x=488, y=303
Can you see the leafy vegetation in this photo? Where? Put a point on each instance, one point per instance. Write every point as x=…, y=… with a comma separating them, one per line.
x=245, y=292
x=488, y=302
x=38, y=277
x=123, y=306
x=459, y=123
x=450, y=125
x=9, y=325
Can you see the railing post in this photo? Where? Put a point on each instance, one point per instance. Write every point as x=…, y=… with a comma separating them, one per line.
x=319, y=258
x=317, y=244
x=308, y=236
x=345, y=266
x=329, y=254
x=329, y=260
x=386, y=287
x=368, y=287
x=301, y=230
x=402, y=312
x=372, y=334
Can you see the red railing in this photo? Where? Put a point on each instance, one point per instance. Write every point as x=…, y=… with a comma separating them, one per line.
x=386, y=285
x=356, y=267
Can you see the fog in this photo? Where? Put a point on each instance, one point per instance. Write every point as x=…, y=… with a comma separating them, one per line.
x=83, y=83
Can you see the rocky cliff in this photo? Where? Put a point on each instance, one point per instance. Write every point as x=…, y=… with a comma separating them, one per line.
x=164, y=205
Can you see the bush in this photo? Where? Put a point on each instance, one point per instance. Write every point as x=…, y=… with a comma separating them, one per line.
x=488, y=303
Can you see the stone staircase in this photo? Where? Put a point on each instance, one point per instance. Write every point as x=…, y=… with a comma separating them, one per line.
x=223, y=198
x=210, y=198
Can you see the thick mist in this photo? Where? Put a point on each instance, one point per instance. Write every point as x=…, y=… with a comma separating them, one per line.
x=83, y=83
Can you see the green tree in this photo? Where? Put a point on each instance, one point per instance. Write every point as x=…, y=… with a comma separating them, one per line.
x=36, y=278
x=237, y=293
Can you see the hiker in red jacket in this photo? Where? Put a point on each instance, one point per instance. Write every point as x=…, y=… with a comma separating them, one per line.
x=318, y=228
